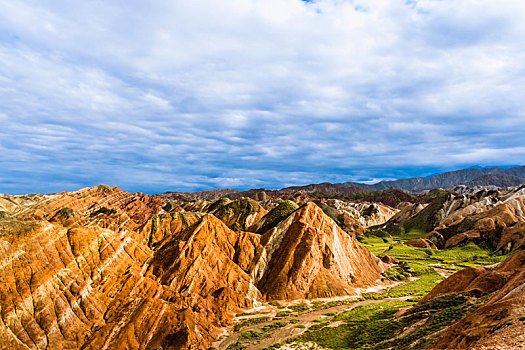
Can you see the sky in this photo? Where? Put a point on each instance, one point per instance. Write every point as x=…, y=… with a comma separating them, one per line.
x=158, y=96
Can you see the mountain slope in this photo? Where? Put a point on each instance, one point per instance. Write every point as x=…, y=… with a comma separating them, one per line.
x=101, y=268
x=497, y=323
x=472, y=177
x=307, y=255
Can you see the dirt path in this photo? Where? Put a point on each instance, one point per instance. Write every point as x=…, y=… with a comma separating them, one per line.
x=443, y=271
x=306, y=318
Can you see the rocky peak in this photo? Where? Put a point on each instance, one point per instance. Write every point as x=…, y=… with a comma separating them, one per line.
x=307, y=255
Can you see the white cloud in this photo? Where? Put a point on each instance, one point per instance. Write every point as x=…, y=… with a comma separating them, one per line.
x=258, y=92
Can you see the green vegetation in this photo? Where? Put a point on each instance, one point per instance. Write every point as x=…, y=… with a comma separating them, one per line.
x=239, y=209
x=250, y=335
x=250, y=313
x=374, y=326
x=219, y=203
x=302, y=326
x=66, y=213
x=283, y=313
x=299, y=307
x=316, y=305
x=274, y=346
x=276, y=215
x=18, y=228
x=236, y=346
x=103, y=210
x=420, y=259
x=250, y=322
x=276, y=304
x=294, y=321
x=273, y=326
x=318, y=326
x=103, y=188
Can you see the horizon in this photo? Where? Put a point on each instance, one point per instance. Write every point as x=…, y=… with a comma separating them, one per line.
x=258, y=188
x=256, y=94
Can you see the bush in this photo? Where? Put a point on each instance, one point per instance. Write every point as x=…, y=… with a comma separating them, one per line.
x=250, y=335
x=273, y=326
x=283, y=313
x=299, y=307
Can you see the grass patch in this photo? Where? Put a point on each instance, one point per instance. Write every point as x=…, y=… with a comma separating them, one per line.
x=250, y=322
x=299, y=307
x=236, y=346
x=247, y=314
x=318, y=326
x=276, y=304
x=420, y=287
x=276, y=215
x=283, y=313
x=273, y=326
x=373, y=326
x=250, y=335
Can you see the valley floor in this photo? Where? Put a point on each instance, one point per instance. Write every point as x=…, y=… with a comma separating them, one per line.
x=373, y=318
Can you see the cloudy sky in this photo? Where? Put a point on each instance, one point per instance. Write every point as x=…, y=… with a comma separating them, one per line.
x=189, y=95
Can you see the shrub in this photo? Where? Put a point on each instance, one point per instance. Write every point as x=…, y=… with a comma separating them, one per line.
x=250, y=335
x=283, y=313
x=274, y=325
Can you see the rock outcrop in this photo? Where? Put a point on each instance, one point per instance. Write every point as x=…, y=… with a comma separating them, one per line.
x=239, y=215
x=495, y=221
x=101, y=268
x=307, y=255
x=274, y=216
x=500, y=314
x=367, y=214
x=488, y=218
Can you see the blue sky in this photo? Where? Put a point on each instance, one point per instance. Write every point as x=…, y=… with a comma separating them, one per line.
x=190, y=95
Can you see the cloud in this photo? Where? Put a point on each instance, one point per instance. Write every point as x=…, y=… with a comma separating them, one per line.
x=252, y=93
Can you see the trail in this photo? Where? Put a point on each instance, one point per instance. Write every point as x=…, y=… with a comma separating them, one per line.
x=305, y=318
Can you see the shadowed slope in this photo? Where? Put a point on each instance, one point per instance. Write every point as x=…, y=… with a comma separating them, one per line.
x=307, y=255
x=505, y=283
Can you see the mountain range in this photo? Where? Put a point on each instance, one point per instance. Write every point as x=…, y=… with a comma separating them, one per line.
x=468, y=178
x=102, y=268
x=498, y=177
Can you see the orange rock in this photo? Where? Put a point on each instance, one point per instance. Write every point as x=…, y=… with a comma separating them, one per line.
x=506, y=282
x=307, y=255
x=101, y=268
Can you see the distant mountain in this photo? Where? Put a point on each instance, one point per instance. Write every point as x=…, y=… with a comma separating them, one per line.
x=499, y=180
x=325, y=188
x=471, y=177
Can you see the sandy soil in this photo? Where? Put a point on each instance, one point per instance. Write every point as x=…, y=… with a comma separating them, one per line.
x=305, y=318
